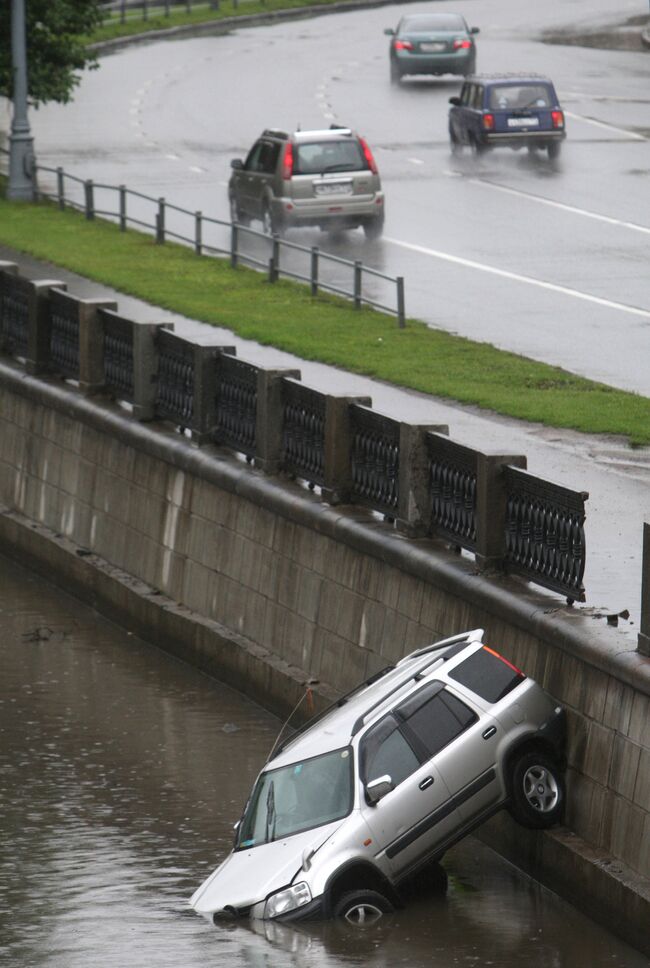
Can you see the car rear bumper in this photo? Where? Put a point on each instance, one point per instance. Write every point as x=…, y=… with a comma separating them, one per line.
x=514, y=138
x=434, y=63
x=348, y=209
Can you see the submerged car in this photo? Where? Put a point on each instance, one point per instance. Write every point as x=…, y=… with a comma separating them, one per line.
x=380, y=785
x=431, y=43
x=512, y=110
x=327, y=178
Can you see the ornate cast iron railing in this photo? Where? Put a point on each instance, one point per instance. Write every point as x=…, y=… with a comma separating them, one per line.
x=303, y=431
x=175, y=390
x=236, y=404
x=375, y=460
x=14, y=314
x=64, y=334
x=118, y=355
x=452, y=482
x=545, y=538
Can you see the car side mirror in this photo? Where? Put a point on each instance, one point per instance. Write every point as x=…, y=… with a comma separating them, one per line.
x=378, y=788
x=455, y=100
x=237, y=163
x=389, y=32
x=474, y=30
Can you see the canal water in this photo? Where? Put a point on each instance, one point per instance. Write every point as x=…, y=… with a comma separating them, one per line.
x=121, y=774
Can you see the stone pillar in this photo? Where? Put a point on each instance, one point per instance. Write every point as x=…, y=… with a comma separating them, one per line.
x=91, y=343
x=268, y=421
x=491, y=507
x=644, y=634
x=338, y=448
x=414, y=508
x=145, y=368
x=38, y=334
x=205, y=408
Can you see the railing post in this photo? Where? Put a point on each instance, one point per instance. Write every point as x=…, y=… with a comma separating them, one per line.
x=145, y=368
x=90, y=199
x=234, y=240
x=145, y=10
x=11, y=269
x=198, y=233
x=160, y=222
x=91, y=344
x=491, y=508
x=643, y=645
x=274, y=261
x=314, y=270
x=167, y=7
x=38, y=333
x=337, y=465
x=60, y=188
x=414, y=508
x=400, y=302
x=358, y=268
x=122, y=191
x=123, y=11
x=268, y=419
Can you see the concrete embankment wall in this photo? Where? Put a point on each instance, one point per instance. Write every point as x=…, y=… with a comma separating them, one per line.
x=257, y=581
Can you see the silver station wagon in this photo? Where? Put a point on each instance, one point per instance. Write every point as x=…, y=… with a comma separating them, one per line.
x=379, y=786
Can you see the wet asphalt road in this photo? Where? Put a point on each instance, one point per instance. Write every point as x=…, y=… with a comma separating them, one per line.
x=121, y=774
x=548, y=261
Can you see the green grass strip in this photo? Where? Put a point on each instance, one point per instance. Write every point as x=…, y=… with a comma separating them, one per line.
x=327, y=329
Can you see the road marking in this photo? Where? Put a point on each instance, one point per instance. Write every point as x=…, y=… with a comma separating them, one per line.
x=517, y=277
x=608, y=127
x=196, y=168
x=416, y=161
x=608, y=219
x=173, y=157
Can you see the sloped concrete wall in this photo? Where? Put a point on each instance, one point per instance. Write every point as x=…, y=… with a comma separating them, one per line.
x=334, y=593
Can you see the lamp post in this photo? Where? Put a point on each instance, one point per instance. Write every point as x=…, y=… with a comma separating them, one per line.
x=21, y=144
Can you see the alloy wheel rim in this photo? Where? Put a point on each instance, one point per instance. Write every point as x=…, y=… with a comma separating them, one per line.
x=540, y=789
x=363, y=914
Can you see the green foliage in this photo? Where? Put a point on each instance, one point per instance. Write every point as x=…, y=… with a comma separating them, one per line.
x=56, y=51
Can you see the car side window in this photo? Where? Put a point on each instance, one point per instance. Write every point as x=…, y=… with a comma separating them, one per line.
x=478, y=97
x=466, y=94
x=268, y=157
x=252, y=161
x=433, y=717
x=386, y=751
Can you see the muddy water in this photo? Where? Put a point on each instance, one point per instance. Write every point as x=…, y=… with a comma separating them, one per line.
x=121, y=773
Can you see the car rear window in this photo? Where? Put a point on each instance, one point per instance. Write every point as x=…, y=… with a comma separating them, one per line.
x=516, y=97
x=487, y=674
x=440, y=21
x=318, y=157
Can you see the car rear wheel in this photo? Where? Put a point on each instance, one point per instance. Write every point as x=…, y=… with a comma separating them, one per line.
x=373, y=227
x=395, y=76
x=537, y=791
x=478, y=147
x=362, y=907
x=554, y=150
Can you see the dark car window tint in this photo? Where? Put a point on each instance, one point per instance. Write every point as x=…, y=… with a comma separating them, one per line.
x=477, y=101
x=466, y=93
x=438, y=721
x=268, y=157
x=514, y=97
x=327, y=156
x=252, y=160
x=385, y=751
x=488, y=675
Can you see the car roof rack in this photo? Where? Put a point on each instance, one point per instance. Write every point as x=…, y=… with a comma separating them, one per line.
x=275, y=133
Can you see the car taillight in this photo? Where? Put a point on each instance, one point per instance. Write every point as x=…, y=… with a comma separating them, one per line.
x=488, y=121
x=367, y=153
x=509, y=664
x=287, y=162
x=403, y=45
x=462, y=44
x=558, y=119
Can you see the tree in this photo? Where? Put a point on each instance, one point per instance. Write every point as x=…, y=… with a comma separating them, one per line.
x=56, y=52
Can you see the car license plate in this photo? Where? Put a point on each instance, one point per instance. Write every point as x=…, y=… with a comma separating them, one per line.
x=523, y=122
x=431, y=48
x=333, y=188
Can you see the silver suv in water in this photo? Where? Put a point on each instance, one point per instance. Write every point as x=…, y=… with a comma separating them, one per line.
x=324, y=178
x=380, y=785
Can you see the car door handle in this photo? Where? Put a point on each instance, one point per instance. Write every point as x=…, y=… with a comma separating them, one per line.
x=490, y=731
x=426, y=782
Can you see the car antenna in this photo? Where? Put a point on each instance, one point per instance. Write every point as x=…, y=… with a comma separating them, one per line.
x=309, y=696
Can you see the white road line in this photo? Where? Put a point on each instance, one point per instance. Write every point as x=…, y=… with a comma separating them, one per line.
x=517, y=277
x=416, y=161
x=197, y=169
x=608, y=219
x=608, y=127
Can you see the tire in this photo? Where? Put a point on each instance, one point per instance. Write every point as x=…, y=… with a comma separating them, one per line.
x=478, y=149
x=373, y=228
x=235, y=213
x=455, y=145
x=554, y=150
x=537, y=791
x=270, y=225
x=362, y=907
x=395, y=76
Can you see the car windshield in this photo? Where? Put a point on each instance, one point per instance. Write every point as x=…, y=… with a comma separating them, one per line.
x=515, y=97
x=317, y=157
x=440, y=21
x=298, y=797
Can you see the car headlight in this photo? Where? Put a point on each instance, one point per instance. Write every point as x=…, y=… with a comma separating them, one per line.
x=287, y=900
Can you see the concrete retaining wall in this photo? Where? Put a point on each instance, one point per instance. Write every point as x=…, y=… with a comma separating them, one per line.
x=277, y=587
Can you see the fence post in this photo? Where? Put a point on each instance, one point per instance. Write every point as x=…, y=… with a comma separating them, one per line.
x=414, y=508
x=274, y=261
x=337, y=464
x=160, y=222
x=167, y=7
x=91, y=344
x=123, y=11
x=314, y=270
x=358, y=267
x=643, y=645
x=145, y=10
x=234, y=239
x=491, y=508
x=90, y=199
x=145, y=368
x=400, y=302
x=38, y=332
x=198, y=233
x=268, y=419
x=122, y=191
x=60, y=188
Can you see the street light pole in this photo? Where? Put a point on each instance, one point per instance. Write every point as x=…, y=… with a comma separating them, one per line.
x=21, y=144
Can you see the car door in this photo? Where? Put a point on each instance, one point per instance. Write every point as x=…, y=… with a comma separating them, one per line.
x=247, y=179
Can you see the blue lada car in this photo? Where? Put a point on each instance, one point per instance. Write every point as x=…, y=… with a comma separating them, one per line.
x=514, y=110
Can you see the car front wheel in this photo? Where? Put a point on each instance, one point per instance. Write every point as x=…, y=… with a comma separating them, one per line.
x=537, y=791
x=362, y=907
x=236, y=214
x=270, y=225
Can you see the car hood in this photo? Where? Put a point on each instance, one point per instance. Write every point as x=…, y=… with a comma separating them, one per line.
x=248, y=876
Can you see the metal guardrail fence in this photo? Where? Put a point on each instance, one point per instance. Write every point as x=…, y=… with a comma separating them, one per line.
x=125, y=10
x=413, y=476
x=276, y=249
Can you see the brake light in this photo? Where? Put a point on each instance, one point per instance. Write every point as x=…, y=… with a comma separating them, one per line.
x=287, y=162
x=488, y=121
x=462, y=44
x=558, y=119
x=367, y=153
x=509, y=664
x=403, y=45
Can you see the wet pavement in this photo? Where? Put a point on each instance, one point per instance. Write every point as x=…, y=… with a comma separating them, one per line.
x=122, y=771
